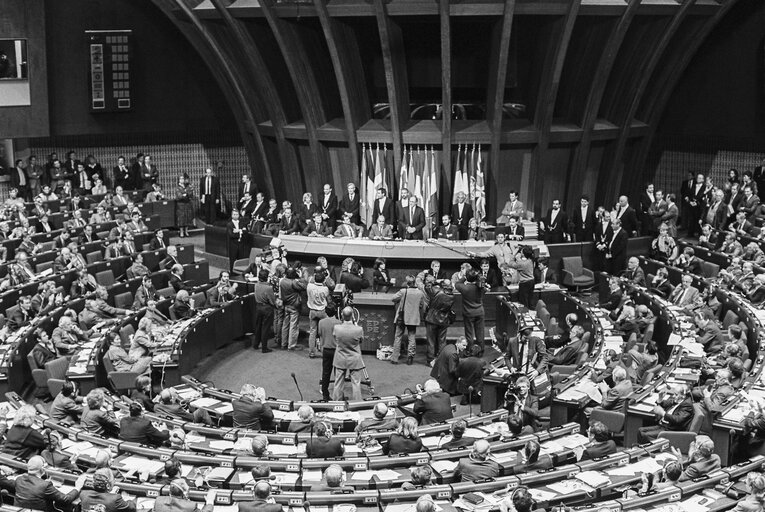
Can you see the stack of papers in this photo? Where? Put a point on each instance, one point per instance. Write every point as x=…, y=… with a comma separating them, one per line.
x=444, y=466
x=205, y=402
x=593, y=478
x=570, y=487
x=573, y=440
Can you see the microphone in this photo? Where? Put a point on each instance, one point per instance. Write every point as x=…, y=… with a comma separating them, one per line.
x=440, y=438
x=470, y=401
x=297, y=385
x=307, y=506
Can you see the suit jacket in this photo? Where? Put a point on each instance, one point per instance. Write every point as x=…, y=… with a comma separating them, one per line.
x=682, y=298
x=214, y=186
x=348, y=339
x=256, y=505
x=449, y=233
x=322, y=229
x=711, y=337
x=511, y=209
x=252, y=414
x=385, y=232
x=417, y=221
x=597, y=450
x=750, y=206
x=291, y=225
x=637, y=276
x=568, y=354
x=629, y=220
x=246, y=187
x=445, y=368
x=554, y=231
x=16, y=179
x=410, y=304
x=352, y=206
x=330, y=208
x=140, y=430
x=462, y=221
x=388, y=210
x=534, y=351
x=39, y=494
x=515, y=233
x=617, y=396
x=584, y=227
x=92, y=501
x=433, y=408
x=680, y=417
x=601, y=235
x=174, y=504
x=469, y=469
x=155, y=244
x=122, y=177
x=618, y=249
x=717, y=214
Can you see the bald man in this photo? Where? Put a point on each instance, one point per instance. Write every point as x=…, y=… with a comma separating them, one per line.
x=477, y=465
x=261, y=500
x=380, y=420
x=627, y=215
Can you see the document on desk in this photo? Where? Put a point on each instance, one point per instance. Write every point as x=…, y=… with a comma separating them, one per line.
x=401, y=507
x=698, y=503
x=223, y=408
x=541, y=495
x=205, y=402
x=444, y=466
x=593, y=478
x=343, y=416
x=141, y=465
x=219, y=473
x=572, y=394
x=312, y=475
x=551, y=447
x=476, y=433
x=573, y=440
x=220, y=444
x=431, y=442
x=194, y=438
x=570, y=486
x=504, y=458
x=674, y=339
x=283, y=449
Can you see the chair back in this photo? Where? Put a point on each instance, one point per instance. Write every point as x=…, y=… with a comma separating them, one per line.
x=614, y=420
x=123, y=300
x=108, y=366
x=552, y=327
x=200, y=299
x=540, y=306
x=57, y=368
x=166, y=292
x=32, y=363
x=699, y=419
x=544, y=316
x=648, y=336
x=709, y=269
x=42, y=267
x=573, y=264
x=126, y=331
x=105, y=278
x=93, y=257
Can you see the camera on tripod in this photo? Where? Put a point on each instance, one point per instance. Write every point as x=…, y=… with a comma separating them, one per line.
x=342, y=296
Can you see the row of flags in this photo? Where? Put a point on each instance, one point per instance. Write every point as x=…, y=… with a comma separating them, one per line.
x=420, y=173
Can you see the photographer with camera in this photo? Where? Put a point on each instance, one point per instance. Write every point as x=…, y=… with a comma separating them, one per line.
x=439, y=299
x=521, y=403
x=318, y=293
x=526, y=354
x=472, y=288
x=354, y=278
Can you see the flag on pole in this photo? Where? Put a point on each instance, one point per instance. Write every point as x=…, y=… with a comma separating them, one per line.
x=480, y=191
x=461, y=182
x=379, y=176
x=431, y=190
x=411, y=178
x=367, y=187
x=402, y=180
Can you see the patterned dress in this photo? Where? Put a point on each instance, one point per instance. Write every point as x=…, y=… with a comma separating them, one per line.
x=184, y=208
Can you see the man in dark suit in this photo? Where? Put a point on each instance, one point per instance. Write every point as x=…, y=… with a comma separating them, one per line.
x=462, y=212
x=328, y=206
x=250, y=410
x=448, y=230
x=514, y=230
x=209, y=188
x=401, y=206
x=477, y=466
x=351, y=203
x=584, y=220
x=445, y=367
x=526, y=353
x=685, y=192
x=708, y=334
x=122, y=176
x=158, y=241
x=694, y=203
x=490, y=276
x=758, y=176
x=384, y=206
x=289, y=224
x=647, y=198
x=433, y=404
x=137, y=171
x=236, y=230
x=246, y=206
x=411, y=221
x=674, y=412
x=347, y=360
x=543, y=274
x=751, y=203
x=554, y=224
x=136, y=428
x=70, y=165
x=20, y=180
x=246, y=187
x=260, y=503
x=616, y=254
x=569, y=354
x=34, y=491
x=717, y=212
x=626, y=214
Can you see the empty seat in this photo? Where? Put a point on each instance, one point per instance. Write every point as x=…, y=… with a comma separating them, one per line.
x=42, y=267
x=729, y=319
x=574, y=273
x=48, y=246
x=200, y=300
x=105, y=278
x=166, y=292
x=544, y=316
x=123, y=300
x=93, y=257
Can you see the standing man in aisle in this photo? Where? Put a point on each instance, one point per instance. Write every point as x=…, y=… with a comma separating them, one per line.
x=410, y=303
x=327, y=342
x=265, y=304
x=437, y=319
x=209, y=187
x=471, y=287
x=291, y=288
x=348, y=358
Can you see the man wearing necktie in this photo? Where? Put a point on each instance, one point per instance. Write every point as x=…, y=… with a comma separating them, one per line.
x=329, y=206
x=351, y=204
x=414, y=221
x=158, y=242
x=685, y=294
x=209, y=187
x=20, y=180
x=346, y=229
x=121, y=174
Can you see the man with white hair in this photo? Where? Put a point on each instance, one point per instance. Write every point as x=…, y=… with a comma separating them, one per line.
x=477, y=466
x=305, y=414
x=250, y=410
x=617, y=396
x=33, y=490
x=685, y=294
x=261, y=500
x=351, y=204
x=627, y=215
x=178, y=500
x=432, y=405
x=674, y=412
x=701, y=459
x=634, y=272
x=380, y=419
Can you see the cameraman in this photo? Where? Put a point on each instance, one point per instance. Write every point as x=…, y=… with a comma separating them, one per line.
x=521, y=403
x=317, y=293
x=327, y=342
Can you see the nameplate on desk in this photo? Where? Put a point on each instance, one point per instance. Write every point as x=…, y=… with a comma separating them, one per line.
x=151, y=493
x=164, y=456
x=229, y=436
x=295, y=501
x=423, y=460
x=288, y=440
x=284, y=407
x=339, y=408
x=350, y=440
x=223, y=500
x=370, y=499
x=360, y=466
x=225, y=464
x=293, y=467
x=675, y=496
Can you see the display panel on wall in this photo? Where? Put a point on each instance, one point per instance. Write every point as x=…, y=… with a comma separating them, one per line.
x=14, y=73
x=109, y=54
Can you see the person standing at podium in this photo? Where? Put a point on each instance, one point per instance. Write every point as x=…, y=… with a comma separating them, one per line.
x=462, y=212
x=411, y=222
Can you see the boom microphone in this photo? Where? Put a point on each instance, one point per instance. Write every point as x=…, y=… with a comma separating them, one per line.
x=470, y=401
x=440, y=438
x=297, y=385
